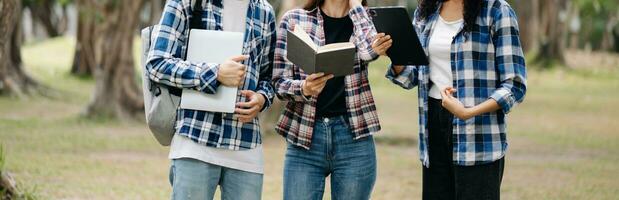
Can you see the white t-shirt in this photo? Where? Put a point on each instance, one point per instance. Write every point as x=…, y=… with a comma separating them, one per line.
x=233, y=16
x=439, y=50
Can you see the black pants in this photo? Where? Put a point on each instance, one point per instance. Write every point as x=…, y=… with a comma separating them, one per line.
x=443, y=179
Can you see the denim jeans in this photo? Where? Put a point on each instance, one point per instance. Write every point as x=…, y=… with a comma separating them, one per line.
x=194, y=179
x=350, y=163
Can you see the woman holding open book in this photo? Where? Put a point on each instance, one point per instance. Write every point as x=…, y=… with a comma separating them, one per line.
x=328, y=121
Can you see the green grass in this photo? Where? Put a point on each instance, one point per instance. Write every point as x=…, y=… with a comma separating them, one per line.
x=563, y=140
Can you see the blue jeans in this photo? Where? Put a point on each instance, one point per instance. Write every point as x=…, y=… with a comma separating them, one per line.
x=194, y=179
x=351, y=164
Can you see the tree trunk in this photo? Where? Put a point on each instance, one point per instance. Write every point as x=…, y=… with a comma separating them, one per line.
x=84, y=59
x=551, y=41
x=42, y=11
x=116, y=90
x=13, y=79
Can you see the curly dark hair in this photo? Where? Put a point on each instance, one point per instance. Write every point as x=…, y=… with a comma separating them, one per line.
x=471, y=11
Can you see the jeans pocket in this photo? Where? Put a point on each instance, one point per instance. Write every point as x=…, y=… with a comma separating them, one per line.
x=171, y=174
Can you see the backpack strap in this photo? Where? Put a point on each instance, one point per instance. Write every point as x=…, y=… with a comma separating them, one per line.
x=195, y=21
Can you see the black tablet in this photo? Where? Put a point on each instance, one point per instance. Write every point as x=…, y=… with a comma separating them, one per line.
x=406, y=48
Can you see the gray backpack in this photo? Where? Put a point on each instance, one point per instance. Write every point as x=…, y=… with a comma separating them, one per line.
x=161, y=101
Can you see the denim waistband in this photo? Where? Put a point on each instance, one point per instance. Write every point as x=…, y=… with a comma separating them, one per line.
x=330, y=121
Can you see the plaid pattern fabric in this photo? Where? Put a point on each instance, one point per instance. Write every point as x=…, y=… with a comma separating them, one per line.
x=167, y=66
x=297, y=120
x=487, y=63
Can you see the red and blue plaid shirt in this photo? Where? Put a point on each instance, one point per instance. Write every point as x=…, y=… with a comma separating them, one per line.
x=487, y=63
x=166, y=66
x=297, y=120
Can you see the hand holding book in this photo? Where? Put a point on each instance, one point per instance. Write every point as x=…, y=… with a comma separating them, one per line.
x=314, y=83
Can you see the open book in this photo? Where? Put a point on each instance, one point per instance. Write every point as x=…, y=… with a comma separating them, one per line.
x=337, y=58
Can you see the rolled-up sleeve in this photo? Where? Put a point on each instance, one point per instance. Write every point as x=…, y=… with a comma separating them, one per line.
x=286, y=87
x=165, y=64
x=364, y=33
x=406, y=79
x=509, y=60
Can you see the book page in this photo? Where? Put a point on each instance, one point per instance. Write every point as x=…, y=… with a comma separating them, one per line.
x=299, y=31
x=336, y=47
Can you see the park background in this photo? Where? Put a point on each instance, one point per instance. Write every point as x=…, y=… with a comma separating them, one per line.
x=71, y=119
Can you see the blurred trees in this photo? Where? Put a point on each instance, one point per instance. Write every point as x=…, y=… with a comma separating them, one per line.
x=117, y=93
x=13, y=79
x=42, y=12
x=84, y=60
x=548, y=27
x=601, y=30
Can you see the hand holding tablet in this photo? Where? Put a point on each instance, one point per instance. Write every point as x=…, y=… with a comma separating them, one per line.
x=396, y=23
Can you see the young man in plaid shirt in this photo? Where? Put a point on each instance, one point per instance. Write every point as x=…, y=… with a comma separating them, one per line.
x=211, y=149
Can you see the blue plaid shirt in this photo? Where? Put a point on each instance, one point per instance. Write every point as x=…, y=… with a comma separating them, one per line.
x=487, y=63
x=167, y=66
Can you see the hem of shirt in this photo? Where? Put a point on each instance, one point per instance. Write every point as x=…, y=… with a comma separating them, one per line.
x=223, y=163
x=226, y=164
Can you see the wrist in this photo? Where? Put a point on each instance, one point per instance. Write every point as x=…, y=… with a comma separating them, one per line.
x=262, y=100
x=303, y=90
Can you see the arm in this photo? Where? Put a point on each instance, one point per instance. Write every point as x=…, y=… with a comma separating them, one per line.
x=364, y=33
x=165, y=64
x=266, y=69
x=457, y=108
x=509, y=60
x=284, y=84
x=510, y=66
x=404, y=76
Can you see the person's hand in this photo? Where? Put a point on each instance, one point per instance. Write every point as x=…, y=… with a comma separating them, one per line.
x=354, y=3
x=454, y=105
x=247, y=111
x=382, y=43
x=314, y=83
x=231, y=73
x=398, y=69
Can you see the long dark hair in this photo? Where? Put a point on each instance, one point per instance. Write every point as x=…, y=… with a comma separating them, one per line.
x=471, y=11
x=311, y=4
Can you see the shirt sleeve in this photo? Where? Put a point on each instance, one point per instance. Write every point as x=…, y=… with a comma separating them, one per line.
x=286, y=87
x=509, y=60
x=364, y=33
x=165, y=62
x=266, y=69
x=406, y=79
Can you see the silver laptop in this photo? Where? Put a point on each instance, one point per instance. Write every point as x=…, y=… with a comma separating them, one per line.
x=208, y=46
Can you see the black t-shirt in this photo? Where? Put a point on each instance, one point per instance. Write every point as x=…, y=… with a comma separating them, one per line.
x=332, y=99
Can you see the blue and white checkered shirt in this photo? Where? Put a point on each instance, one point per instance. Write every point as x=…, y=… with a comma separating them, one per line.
x=167, y=66
x=487, y=63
